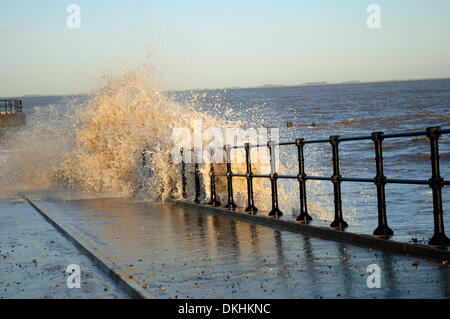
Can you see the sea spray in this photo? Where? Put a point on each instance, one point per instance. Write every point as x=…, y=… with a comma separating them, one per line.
x=97, y=147
x=35, y=151
x=128, y=119
x=117, y=143
x=129, y=122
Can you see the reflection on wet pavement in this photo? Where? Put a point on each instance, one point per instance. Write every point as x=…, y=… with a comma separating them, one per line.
x=180, y=253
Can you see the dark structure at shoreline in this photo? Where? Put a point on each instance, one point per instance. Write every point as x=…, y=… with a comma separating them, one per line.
x=11, y=112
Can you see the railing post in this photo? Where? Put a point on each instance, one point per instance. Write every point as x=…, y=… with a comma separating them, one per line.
x=249, y=175
x=383, y=229
x=144, y=162
x=303, y=217
x=196, y=178
x=213, y=197
x=275, y=212
x=439, y=238
x=183, y=174
x=339, y=222
x=231, y=205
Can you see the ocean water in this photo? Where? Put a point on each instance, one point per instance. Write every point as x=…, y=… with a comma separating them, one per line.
x=54, y=127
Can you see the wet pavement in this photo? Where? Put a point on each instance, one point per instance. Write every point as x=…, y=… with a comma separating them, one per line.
x=181, y=253
x=34, y=257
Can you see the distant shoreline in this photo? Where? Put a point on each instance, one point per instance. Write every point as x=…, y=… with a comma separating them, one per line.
x=264, y=86
x=309, y=84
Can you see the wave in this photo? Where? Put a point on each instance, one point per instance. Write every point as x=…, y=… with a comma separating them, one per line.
x=97, y=147
x=399, y=118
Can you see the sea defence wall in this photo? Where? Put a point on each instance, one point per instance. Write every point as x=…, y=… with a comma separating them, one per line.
x=381, y=234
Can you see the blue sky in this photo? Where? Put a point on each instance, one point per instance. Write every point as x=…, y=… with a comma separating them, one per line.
x=209, y=44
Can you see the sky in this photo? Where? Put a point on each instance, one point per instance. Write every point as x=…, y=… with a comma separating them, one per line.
x=212, y=44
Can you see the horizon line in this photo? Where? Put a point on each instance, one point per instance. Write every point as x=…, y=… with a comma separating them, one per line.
x=264, y=86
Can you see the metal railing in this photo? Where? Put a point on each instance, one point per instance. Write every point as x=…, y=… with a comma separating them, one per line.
x=10, y=106
x=436, y=182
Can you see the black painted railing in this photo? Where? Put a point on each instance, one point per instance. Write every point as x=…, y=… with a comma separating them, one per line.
x=436, y=182
x=10, y=106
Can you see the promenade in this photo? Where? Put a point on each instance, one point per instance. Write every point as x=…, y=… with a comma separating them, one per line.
x=34, y=257
x=174, y=252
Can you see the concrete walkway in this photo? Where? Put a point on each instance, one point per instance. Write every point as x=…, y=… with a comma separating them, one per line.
x=180, y=253
x=34, y=257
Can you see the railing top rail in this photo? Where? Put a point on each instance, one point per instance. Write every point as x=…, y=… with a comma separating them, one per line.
x=339, y=139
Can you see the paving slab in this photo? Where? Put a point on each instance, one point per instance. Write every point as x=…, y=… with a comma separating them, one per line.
x=174, y=252
x=34, y=257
